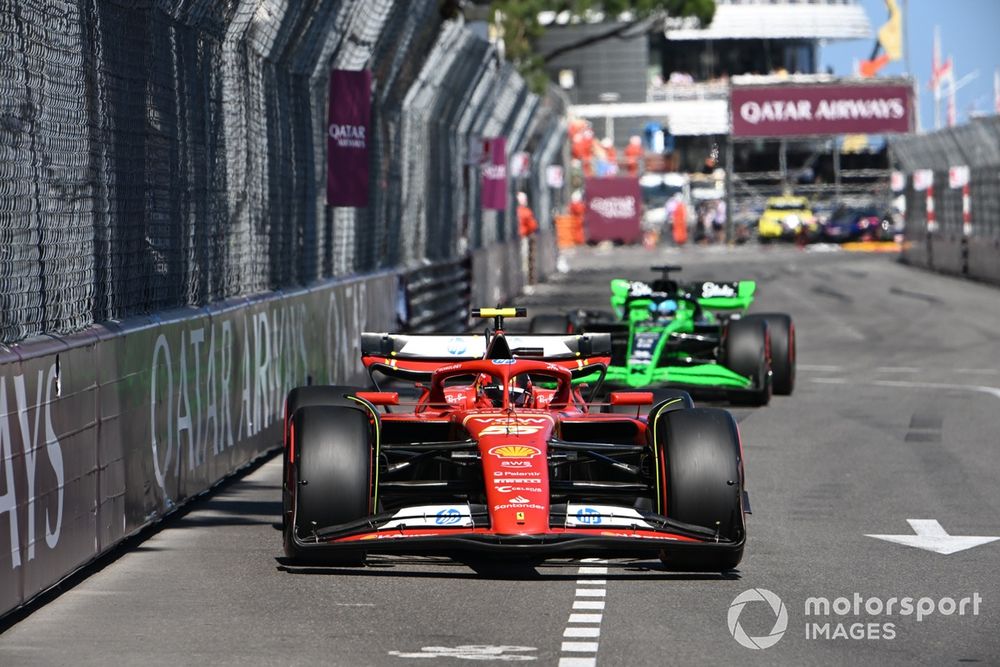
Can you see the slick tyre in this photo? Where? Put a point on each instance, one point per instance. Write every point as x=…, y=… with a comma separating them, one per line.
x=301, y=397
x=747, y=351
x=550, y=324
x=701, y=465
x=781, y=331
x=332, y=473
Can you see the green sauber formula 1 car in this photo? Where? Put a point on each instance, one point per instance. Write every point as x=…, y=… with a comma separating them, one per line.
x=692, y=336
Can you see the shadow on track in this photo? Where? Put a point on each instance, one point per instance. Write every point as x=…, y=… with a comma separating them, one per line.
x=507, y=570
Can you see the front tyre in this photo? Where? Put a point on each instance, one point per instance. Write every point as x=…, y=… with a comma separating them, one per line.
x=701, y=463
x=332, y=472
x=301, y=397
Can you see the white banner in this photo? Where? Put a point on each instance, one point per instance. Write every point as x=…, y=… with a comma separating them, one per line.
x=923, y=179
x=958, y=177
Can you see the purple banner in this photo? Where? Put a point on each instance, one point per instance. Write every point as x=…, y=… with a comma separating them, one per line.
x=806, y=110
x=614, y=209
x=495, y=174
x=349, y=123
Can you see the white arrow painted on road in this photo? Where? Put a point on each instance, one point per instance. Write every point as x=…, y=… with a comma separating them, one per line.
x=930, y=536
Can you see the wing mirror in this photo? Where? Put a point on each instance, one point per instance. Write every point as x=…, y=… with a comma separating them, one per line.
x=381, y=397
x=631, y=398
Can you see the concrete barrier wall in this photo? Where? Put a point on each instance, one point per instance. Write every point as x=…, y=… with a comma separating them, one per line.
x=947, y=253
x=984, y=259
x=108, y=430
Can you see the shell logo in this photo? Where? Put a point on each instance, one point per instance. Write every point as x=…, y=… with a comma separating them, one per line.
x=515, y=451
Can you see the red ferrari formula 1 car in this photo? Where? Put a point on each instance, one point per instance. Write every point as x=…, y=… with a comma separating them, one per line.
x=502, y=453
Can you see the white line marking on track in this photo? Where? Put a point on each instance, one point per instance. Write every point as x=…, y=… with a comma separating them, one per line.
x=585, y=625
x=579, y=647
x=582, y=631
x=588, y=604
x=470, y=652
x=819, y=367
x=992, y=391
x=577, y=662
x=898, y=369
x=590, y=592
x=982, y=389
x=585, y=618
x=979, y=371
x=930, y=535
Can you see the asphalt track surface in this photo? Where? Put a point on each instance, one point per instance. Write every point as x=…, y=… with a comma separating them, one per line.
x=896, y=416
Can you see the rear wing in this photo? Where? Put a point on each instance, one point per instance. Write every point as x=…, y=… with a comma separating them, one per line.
x=473, y=346
x=723, y=296
x=416, y=357
x=710, y=295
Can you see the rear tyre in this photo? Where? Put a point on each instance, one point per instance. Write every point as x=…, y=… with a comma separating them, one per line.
x=332, y=473
x=781, y=331
x=702, y=470
x=747, y=351
x=550, y=324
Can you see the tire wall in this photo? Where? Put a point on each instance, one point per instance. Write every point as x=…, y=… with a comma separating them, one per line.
x=107, y=430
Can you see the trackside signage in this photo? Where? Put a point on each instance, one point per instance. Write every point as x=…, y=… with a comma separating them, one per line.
x=808, y=110
x=494, y=186
x=614, y=209
x=348, y=130
x=107, y=430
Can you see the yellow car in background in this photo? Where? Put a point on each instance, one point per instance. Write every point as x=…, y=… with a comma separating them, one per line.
x=786, y=218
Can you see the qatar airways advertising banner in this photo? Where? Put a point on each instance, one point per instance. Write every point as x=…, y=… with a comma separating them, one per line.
x=808, y=110
x=348, y=129
x=494, y=187
x=614, y=209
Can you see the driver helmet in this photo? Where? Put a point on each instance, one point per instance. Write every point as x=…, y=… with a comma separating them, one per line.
x=494, y=393
x=520, y=391
x=665, y=307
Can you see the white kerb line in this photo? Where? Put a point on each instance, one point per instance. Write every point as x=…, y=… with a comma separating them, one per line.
x=583, y=629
